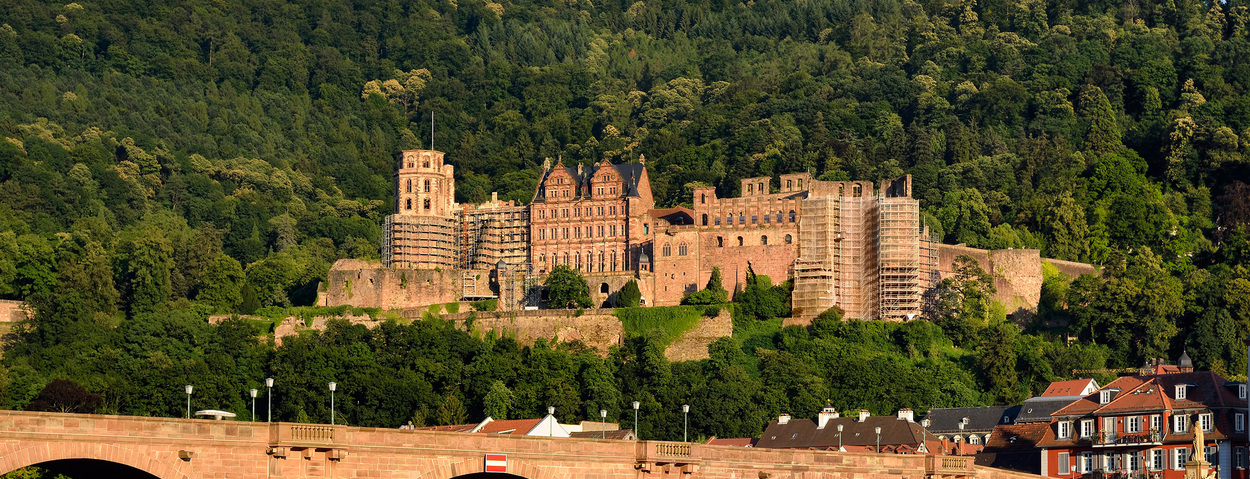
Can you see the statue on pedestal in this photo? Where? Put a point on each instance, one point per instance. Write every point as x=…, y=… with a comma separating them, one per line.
x=1197, y=466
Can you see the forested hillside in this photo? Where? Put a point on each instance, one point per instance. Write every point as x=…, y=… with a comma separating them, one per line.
x=167, y=160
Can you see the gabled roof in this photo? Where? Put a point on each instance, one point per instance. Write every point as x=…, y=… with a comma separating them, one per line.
x=1075, y=387
x=980, y=419
x=630, y=173
x=803, y=434
x=519, y=427
x=1039, y=409
x=733, y=441
x=617, y=434
x=1016, y=437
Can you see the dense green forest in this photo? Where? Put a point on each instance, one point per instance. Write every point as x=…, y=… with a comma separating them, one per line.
x=164, y=161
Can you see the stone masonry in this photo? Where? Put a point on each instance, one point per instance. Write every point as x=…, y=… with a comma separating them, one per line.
x=198, y=448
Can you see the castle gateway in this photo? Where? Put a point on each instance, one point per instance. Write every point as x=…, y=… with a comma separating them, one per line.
x=846, y=244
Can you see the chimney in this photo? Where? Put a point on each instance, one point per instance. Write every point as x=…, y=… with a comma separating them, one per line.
x=825, y=415
x=783, y=419
x=906, y=414
x=494, y=198
x=863, y=414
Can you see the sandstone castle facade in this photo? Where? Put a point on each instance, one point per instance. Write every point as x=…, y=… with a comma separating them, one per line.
x=853, y=245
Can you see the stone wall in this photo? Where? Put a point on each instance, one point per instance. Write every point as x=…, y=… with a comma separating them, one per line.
x=1017, y=272
x=363, y=283
x=12, y=311
x=692, y=345
x=596, y=328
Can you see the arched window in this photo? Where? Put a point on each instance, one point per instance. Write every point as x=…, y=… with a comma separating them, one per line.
x=425, y=164
x=778, y=216
x=705, y=220
x=408, y=189
x=703, y=201
x=789, y=239
x=578, y=258
x=603, y=288
x=792, y=216
x=742, y=218
x=800, y=183
x=750, y=189
x=739, y=241
x=720, y=242
x=613, y=261
x=668, y=250
x=646, y=229
x=427, y=203
x=427, y=186
x=566, y=259
x=408, y=204
x=729, y=220
x=681, y=249
x=763, y=191
x=764, y=240
x=789, y=184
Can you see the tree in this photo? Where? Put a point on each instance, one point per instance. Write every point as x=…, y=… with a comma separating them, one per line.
x=964, y=301
x=630, y=296
x=997, y=362
x=452, y=411
x=713, y=293
x=149, y=264
x=1103, y=134
x=497, y=401
x=222, y=284
x=64, y=396
x=760, y=299
x=566, y=288
x=1065, y=229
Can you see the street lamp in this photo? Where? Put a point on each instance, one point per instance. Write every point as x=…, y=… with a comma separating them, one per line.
x=924, y=435
x=685, y=421
x=878, y=439
x=637, y=434
x=189, y=388
x=269, y=396
x=253, y=404
x=840, y=438
x=333, y=386
x=603, y=428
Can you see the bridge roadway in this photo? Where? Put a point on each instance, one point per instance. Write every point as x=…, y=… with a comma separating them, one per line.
x=85, y=446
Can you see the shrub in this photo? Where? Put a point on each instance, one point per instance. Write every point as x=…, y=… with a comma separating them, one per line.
x=484, y=305
x=630, y=296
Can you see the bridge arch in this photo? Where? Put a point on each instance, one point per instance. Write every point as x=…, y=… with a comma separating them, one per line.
x=110, y=457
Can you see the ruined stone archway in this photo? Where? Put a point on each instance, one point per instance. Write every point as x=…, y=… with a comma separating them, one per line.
x=96, y=458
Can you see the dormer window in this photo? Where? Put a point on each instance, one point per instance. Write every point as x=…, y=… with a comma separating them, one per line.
x=1181, y=391
x=1241, y=391
x=1105, y=396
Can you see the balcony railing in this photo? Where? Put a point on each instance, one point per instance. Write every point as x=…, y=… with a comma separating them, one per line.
x=1111, y=439
x=948, y=465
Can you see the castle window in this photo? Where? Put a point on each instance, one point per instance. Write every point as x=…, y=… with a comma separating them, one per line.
x=613, y=261
x=566, y=233
x=600, y=231
x=578, y=258
x=720, y=242
x=755, y=219
x=750, y=189
x=408, y=205
x=408, y=189
x=600, y=211
x=800, y=183
x=566, y=212
x=789, y=239
x=427, y=186
x=612, y=230
x=704, y=220
x=792, y=216
x=427, y=203
x=768, y=218
x=566, y=259
x=646, y=229
x=588, y=232
x=739, y=241
x=577, y=232
x=542, y=234
x=789, y=184
x=612, y=210
x=681, y=249
x=856, y=190
x=668, y=250
x=764, y=240
x=577, y=212
x=703, y=200
x=729, y=220
x=425, y=164
x=742, y=219
x=717, y=221
x=840, y=192
x=762, y=190
x=589, y=211
x=778, y=216
x=603, y=288
x=601, y=262
x=600, y=191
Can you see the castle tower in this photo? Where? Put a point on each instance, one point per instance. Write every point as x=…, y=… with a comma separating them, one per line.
x=422, y=232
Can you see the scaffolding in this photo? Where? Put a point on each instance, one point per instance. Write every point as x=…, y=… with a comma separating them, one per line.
x=816, y=268
x=422, y=242
x=899, y=259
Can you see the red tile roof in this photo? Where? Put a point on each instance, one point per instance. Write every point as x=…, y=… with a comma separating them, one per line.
x=733, y=441
x=1015, y=437
x=1067, y=388
x=510, y=426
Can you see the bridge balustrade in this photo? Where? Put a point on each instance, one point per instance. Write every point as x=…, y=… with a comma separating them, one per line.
x=948, y=465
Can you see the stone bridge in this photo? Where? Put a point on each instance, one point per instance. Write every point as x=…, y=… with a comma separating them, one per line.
x=84, y=446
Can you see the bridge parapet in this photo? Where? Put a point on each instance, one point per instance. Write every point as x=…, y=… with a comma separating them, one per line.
x=949, y=465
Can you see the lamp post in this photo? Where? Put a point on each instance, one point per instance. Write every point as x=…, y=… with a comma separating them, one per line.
x=551, y=426
x=269, y=396
x=924, y=435
x=840, y=438
x=878, y=439
x=603, y=427
x=685, y=422
x=253, y=404
x=333, y=386
x=189, y=388
x=637, y=434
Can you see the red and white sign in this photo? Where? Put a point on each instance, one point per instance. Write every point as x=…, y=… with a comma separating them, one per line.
x=496, y=463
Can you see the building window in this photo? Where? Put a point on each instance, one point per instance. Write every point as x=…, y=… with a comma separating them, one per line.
x=974, y=439
x=716, y=221
x=427, y=186
x=408, y=204
x=1064, y=465
x=1239, y=422
x=1204, y=421
x=1065, y=430
x=1155, y=460
x=408, y=186
x=764, y=240
x=1180, y=424
x=425, y=164
x=542, y=234
x=1179, y=456
x=600, y=231
x=681, y=249
x=750, y=189
x=739, y=241
x=792, y=216
x=646, y=229
x=1082, y=463
x=778, y=216
x=789, y=184
x=426, y=203
x=667, y=250
x=755, y=219
x=566, y=233
x=566, y=212
x=1104, y=397
x=1239, y=457
x=704, y=220
x=789, y=239
x=768, y=218
x=612, y=210
x=729, y=220
x=577, y=212
x=720, y=242
x=742, y=219
x=613, y=261
x=577, y=232
x=1087, y=428
x=1241, y=391
x=612, y=230
x=1156, y=423
x=1181, y=391
x=703, y=201
x=1132, y=424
